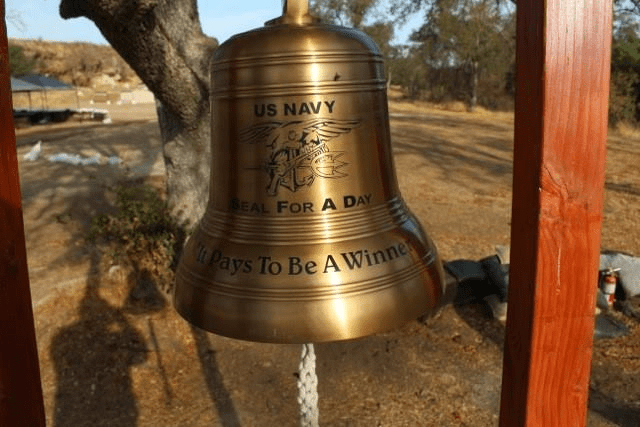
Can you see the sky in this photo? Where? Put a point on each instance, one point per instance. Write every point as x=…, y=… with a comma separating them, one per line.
x=40, y=19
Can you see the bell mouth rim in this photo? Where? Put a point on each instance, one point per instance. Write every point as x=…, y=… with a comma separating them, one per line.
x=268, y=316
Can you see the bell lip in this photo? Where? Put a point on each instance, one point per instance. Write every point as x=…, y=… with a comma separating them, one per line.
x=320, y=315
x=410, y=307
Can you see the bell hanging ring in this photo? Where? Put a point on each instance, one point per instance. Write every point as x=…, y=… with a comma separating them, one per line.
x=306, y=237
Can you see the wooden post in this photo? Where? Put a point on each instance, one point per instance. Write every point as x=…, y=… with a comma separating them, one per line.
x=563, y=66
x=21, y=402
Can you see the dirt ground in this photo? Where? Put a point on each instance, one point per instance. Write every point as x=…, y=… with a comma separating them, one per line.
x=114, y=353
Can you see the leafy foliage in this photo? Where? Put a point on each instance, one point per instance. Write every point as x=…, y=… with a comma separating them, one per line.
x=468, y=47
x=359, y=14
x=19, y=63
x=407, y=69
x=343, y=12
x=625, y=73
x=141, y=224
x=465, y=49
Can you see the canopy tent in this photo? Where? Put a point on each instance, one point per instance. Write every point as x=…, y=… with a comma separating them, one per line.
x=35, y=82
x=18, y=85
x=46, y=83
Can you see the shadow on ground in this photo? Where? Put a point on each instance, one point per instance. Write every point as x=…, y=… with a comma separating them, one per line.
x=115, y=353
x=92, y=361
x=612, y=396
x=93, y=358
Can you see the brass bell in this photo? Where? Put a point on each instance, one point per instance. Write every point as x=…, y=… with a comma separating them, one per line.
x=306, y=237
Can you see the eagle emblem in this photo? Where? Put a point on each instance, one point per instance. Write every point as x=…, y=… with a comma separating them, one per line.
x=298, y=150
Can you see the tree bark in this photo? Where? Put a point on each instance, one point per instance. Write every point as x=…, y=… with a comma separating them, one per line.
x=473, y=83
x=162, y=40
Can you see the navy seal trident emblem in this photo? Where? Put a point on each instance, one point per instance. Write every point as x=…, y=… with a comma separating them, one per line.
x=299, y=150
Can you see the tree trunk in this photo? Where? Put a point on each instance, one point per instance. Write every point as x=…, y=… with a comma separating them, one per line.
x=473, y=83
x=163, y=42
x=187, y=158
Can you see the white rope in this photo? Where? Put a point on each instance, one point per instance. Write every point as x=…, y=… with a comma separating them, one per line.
x=308, y=387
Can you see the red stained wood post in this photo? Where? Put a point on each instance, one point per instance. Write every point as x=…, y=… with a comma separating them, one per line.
x=563, y=66
x=21, y=402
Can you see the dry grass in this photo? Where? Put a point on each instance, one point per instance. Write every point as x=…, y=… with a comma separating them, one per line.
x=114, y=353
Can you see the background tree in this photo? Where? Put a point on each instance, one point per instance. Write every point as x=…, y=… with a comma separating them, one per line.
x=19, y=64
x=164, y=44
x=447, y=37
x=408, y=69
x=626, y=7
x=358, y=14
x=382, y=33
x=18, y=61
x=351, y=13
x=625, y=70
x=464, y=39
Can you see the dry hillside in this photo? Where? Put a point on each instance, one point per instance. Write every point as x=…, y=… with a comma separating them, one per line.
x=81, y=64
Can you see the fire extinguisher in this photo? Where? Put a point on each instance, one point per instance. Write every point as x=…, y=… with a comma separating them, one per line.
x=608, y=283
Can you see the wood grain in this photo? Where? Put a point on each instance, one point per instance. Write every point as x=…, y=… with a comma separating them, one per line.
x=21, y=402
x=563, y=51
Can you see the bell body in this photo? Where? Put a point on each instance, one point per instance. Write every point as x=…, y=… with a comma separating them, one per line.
x=306, y=237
